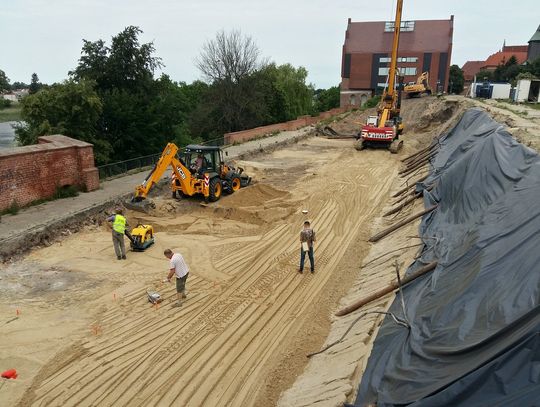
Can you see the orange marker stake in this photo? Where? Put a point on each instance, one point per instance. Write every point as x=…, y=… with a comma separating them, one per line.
x=114, y=296
x=96, y=329
x=18, y=312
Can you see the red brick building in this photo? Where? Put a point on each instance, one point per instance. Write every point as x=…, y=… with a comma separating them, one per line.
x=471, y=68
x=424, y=45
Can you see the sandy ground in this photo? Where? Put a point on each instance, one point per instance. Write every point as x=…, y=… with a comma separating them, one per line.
x=79, y=330
x=40, y=224
x=86, y=335
x=332, y=377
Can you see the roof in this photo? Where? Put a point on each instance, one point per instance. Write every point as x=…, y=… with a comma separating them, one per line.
x=536, y=35
x=501, y=57
x=515, y=48
x=199, y=147
x=427, y=36
x=471, y=68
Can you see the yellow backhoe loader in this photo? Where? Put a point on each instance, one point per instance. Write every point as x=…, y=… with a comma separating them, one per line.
x=200, y=170
x=421, y=86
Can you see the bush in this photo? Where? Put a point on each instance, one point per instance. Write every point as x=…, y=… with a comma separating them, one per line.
x=67, y=191
x=4, y=103
x=13, y=209
x=372, y=102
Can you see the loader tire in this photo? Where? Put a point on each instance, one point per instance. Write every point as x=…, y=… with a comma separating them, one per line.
x=233, y=183
x=215, y=189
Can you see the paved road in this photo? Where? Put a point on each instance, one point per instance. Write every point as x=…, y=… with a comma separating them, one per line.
x=7, y=134
x=39, y=217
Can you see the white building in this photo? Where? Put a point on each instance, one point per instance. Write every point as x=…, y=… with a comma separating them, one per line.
x=15, y=95
x=527, y=90
x=495, y=91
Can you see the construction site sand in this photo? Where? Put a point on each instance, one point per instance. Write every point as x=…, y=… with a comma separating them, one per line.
x=331, y=378
x=85, y=334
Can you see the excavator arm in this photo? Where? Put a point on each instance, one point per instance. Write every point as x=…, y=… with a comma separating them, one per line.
x=168, y=158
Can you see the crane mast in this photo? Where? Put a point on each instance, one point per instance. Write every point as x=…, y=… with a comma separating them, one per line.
x=391, y=92
x=384, y=129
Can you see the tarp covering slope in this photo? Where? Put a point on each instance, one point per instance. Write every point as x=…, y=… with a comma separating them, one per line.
x=475, y=320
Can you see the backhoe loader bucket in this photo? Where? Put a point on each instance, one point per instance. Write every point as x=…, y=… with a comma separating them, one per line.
x=140, y=205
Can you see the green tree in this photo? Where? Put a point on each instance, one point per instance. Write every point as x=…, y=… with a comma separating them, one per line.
x=456, y=80
x=4, y=82
x=298, y=94
x=532, y=67
x=326, y=99
x=508, y=71
x=70, y=108
x=126, y=64
x=135, y=121
x=35, y=84
x=18, y=85
x=244, y=90
x=484, y=75
x=228, y=63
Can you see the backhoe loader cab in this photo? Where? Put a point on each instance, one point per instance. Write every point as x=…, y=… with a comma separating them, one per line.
x=203, y=158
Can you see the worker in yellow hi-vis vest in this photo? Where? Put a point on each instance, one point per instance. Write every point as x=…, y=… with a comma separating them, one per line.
x=119, y=224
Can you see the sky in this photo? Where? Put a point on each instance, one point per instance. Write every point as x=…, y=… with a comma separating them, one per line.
x=45, y=36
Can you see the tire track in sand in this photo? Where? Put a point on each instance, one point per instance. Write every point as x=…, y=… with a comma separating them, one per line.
x=218, y=348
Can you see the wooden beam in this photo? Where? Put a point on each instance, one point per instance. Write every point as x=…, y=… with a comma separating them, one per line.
x=386, y=290
x=396, y=226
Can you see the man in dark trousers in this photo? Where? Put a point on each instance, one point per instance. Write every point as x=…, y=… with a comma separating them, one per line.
x=119, y=224
x=307, y=238
x=179, y=269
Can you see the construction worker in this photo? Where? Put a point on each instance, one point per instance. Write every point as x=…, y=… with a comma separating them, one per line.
x=119, y=223
x=307, y=238
x=178, y=267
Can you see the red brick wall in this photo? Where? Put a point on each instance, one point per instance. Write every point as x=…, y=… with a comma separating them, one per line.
x=302, y=121
x=34, y=172
x=360, y=71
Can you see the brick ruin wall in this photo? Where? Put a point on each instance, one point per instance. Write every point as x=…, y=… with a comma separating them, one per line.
x=302, y=121
x=35, y=172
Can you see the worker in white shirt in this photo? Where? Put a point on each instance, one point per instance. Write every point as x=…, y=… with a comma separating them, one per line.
x=178, y=268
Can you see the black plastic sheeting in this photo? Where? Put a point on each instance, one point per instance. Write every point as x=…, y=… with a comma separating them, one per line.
x=475, y=320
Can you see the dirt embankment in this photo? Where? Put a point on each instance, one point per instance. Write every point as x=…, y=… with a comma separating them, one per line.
x=242, y=335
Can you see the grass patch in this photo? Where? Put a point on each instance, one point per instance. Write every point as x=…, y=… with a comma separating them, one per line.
x=12, y=210
x=535, y=106
x=12, y=113
x=507, y=106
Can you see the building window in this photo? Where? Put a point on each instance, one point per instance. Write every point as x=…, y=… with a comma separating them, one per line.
x=404, y=26
x=347, y=66
x=400, y=59
x=407, y=71
x=402, y=70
